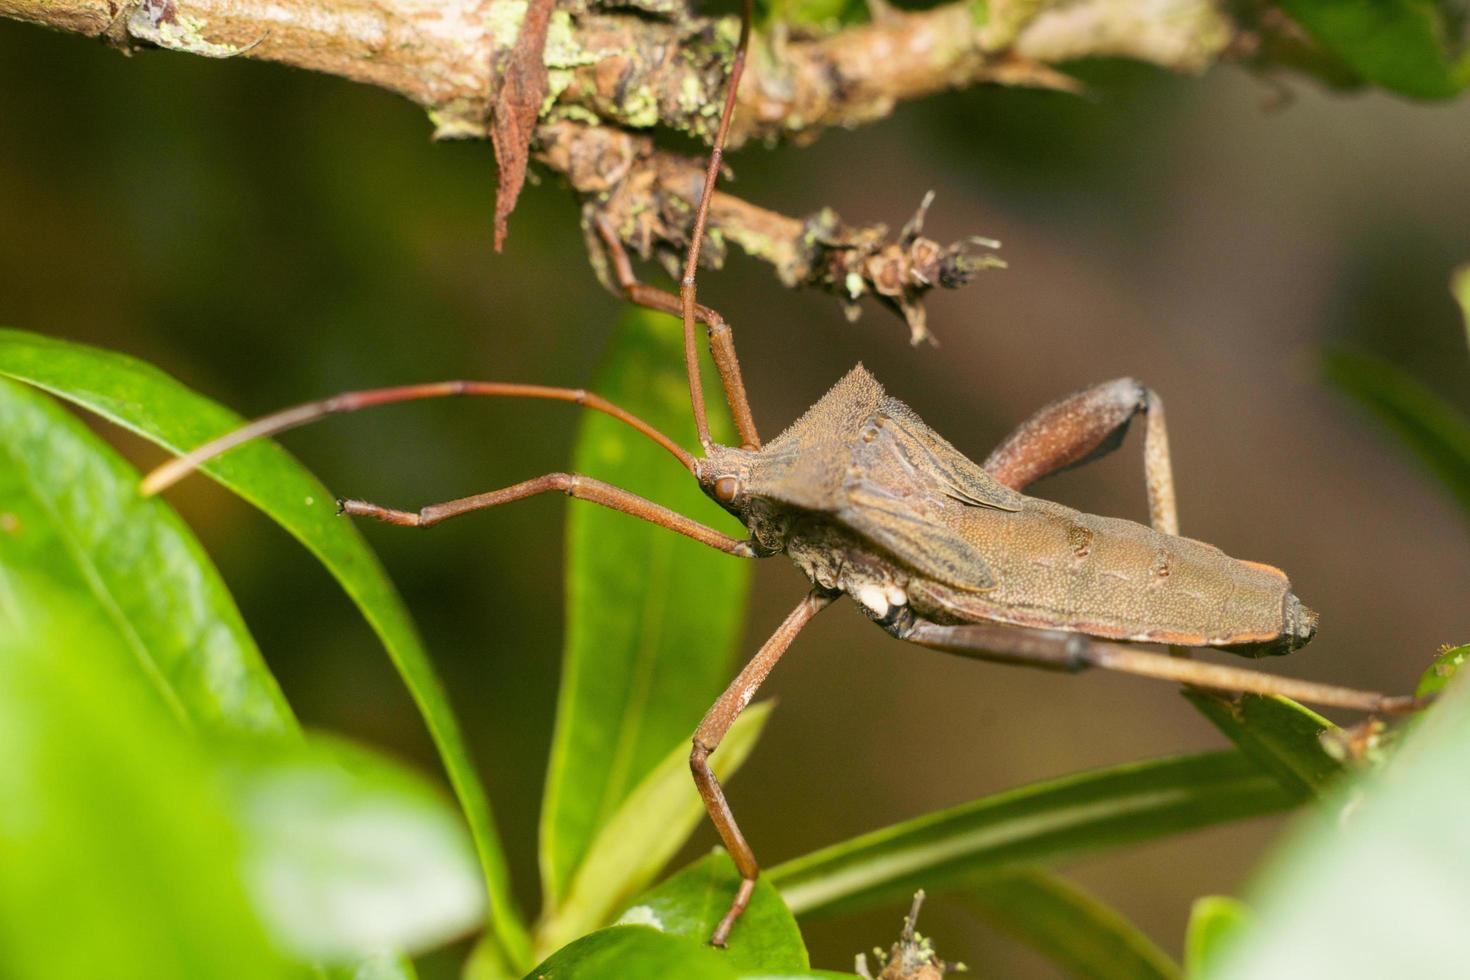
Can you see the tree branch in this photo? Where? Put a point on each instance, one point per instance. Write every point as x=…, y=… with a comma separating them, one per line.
x=624, y=68
x=631, y=70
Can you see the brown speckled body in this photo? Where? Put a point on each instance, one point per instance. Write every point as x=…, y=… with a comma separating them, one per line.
x=870, y=501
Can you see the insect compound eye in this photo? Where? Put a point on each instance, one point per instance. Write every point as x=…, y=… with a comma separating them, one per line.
x=727, y=488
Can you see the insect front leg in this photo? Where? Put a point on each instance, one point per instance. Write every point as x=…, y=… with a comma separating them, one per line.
x=721, y=339
x=571, y=484
x=1084, y=426
x=711, y=732
x=1073, y=652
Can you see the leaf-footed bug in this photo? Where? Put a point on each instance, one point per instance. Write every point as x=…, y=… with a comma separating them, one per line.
x=936, y=549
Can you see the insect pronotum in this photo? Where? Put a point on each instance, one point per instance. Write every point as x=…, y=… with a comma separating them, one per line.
x=936, y=549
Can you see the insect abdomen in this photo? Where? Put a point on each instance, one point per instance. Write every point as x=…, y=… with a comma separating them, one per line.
x=1057, y=568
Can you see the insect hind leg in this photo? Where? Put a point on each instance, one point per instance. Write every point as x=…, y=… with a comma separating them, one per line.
x=1074, y=652
x=1083, y=426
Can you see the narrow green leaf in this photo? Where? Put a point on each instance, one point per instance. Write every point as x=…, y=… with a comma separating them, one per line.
x=690, y=904
x=1445, y=666
x=1377, y=882
x=487, y=961
x=1460, y=289
x=1432, y=429
x=348, y=854
x=70, y=514
x=650, y=826
x=652, y=617
x=118, y=857
x=1045, y=821
x=1070, y=927
x=1215, y=921
x=1403, y=45
x=144, y=400
x=1281, y=735
x=635, y=953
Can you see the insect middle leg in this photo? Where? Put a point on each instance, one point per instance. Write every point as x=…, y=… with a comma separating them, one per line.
x=711, y=732
x=1084, y=426
x=571, y=484
x=721, y=339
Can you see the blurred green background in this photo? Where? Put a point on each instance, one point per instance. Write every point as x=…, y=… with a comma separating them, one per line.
x=270, y=236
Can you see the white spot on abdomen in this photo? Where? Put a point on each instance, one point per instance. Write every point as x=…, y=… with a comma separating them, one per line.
x=873, y=596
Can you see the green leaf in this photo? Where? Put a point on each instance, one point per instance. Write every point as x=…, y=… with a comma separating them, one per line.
x=691, y=904
x=144, y=400
x=818, y=15
x=652, y=617
x=70, y=514
x=650, y=826
x=635, y=953
x=487, y=961
x=1069, y=926
x=383, y=966
x=1407, y=46
x=1045, y=821
x=1215, y=921
x=1281, y=735
x=1460, y=289
x=118, y=856
x=1445, y=666
x=1432, y=428
x=1377, y=882
x=348, y=854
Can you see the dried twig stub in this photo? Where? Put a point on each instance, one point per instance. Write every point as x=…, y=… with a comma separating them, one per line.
x=912, y=957
x=645, y=195
x=863, y=261
x=522, y=88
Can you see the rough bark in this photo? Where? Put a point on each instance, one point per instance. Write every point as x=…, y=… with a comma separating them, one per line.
x=612, y=71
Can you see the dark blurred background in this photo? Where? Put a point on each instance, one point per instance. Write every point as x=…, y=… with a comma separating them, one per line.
x=269, y=236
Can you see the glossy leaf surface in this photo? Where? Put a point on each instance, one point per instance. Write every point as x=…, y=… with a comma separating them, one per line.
x=691, y=904
x=1281, y=735
x=71, y=516
x=1045, y=821
x=1070, y=927
x=148, y=402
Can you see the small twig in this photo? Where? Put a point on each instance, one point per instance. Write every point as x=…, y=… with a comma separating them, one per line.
x=646, y=196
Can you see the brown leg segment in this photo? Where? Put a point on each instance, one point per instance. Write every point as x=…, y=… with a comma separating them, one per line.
x=1084, y=426
x=711, y=731
x=174, y=470
x=1073, y=652
x=571, y=484
x=721, y=340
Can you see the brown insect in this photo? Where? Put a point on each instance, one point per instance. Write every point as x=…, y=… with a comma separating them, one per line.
x=936, y=549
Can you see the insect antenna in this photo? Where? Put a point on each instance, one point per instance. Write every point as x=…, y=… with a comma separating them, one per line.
x=701, y=215
x=176, y=469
